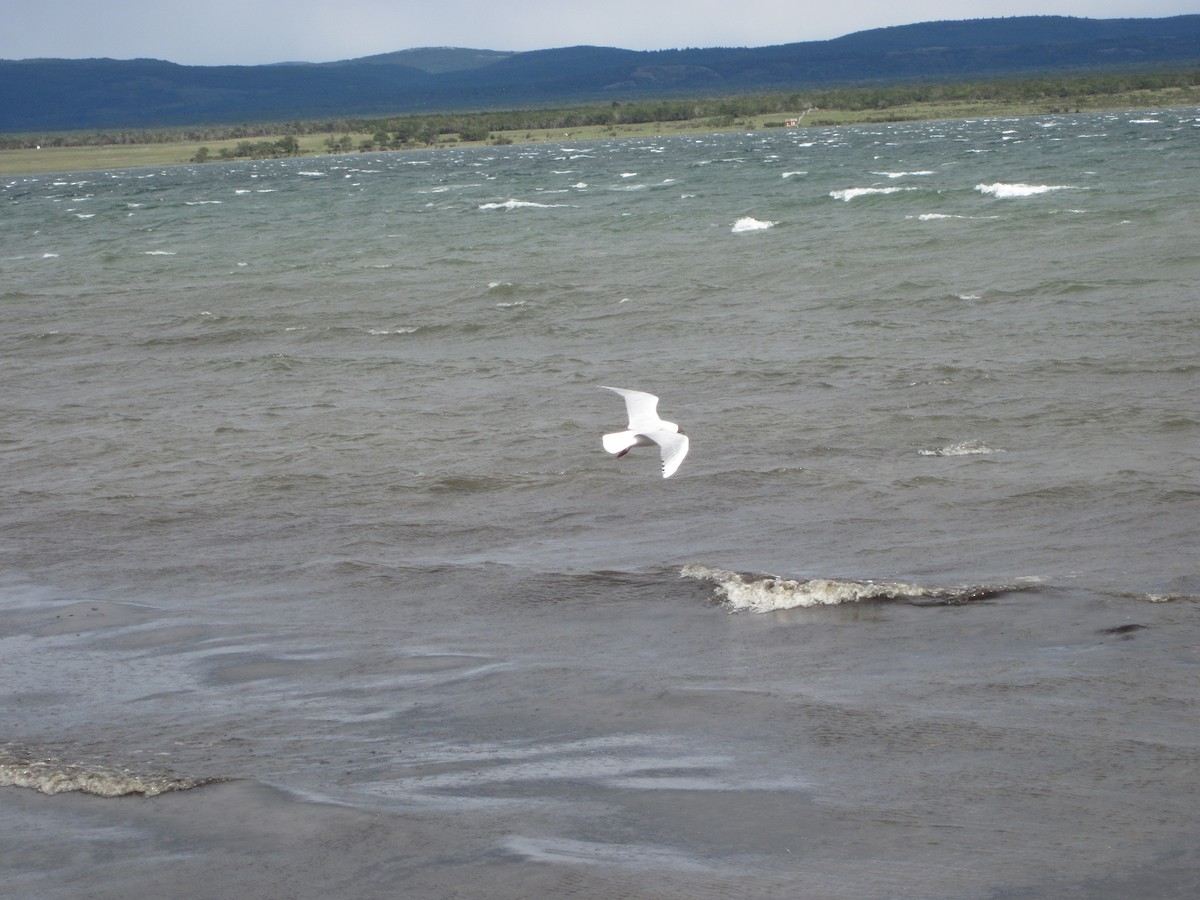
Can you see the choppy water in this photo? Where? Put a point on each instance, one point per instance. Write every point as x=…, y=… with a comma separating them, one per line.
x=305, y=509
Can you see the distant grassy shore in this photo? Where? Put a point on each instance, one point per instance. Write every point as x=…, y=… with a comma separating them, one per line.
x=860, y=106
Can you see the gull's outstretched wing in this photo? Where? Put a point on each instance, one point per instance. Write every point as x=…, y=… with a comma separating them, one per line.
x=642, y=408
x=673, y=447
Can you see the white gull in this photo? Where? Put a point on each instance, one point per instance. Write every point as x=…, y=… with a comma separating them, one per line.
x=647, y=429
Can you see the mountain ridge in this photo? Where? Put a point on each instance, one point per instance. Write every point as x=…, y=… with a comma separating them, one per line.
x=75, y=94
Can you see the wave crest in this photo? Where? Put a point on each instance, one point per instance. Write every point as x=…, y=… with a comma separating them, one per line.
x=522, y=204
x=749, y=223
x=853, y=193
x=962, y=448
x=1004, y=191
x=768, y=593
x=50, y=776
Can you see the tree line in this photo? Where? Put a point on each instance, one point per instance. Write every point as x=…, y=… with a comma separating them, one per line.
x=399, y=132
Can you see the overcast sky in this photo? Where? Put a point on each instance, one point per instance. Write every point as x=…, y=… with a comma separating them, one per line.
x=249, y=32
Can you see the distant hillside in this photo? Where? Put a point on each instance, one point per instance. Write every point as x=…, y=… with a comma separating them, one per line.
x=50, y=94
x=434, y=60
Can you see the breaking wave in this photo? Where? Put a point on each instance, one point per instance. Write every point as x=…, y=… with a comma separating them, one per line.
x=769, y=593
x=52, y=776
x=521, y=204
x=963, y=448
x=747, y=223
x=852, y=193
x=1004, y=191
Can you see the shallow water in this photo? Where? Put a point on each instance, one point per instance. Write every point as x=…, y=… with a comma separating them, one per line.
x=311, y=550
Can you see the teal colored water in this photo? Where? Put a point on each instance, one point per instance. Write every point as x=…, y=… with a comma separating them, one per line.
x=303, y=489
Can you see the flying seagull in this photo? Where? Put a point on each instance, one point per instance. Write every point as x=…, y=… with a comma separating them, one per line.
x=647, y=429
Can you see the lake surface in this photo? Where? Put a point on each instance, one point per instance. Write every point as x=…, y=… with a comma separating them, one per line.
x=315, y=579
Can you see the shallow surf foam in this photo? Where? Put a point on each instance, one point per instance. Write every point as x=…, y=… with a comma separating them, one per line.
x=769, y=593
x=52, y=776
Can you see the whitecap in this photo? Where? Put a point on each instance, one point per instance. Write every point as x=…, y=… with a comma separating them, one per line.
x=852, y=193
x=521, y=204
x=934, y=217
x=769, y=593
x=793, y=174
x=905, y=174
x=962, y=448
x=51, y=776
x=159, y=252
x=382, y=331
x=747, y=223
x=1004, y=191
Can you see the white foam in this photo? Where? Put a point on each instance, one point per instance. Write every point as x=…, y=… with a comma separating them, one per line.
x=963, y=448
x=50, y=776
x=747, y=223
x=853, y=193
x=520, y=204
x=768, y=593
x=934, y=217
x=793, y=174
x=905, y=174
x=1005, y=191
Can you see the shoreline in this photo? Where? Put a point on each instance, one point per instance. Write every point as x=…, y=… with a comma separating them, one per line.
x=68, y=160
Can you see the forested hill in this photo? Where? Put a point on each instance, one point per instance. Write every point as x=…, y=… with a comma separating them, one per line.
x=55, y=94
